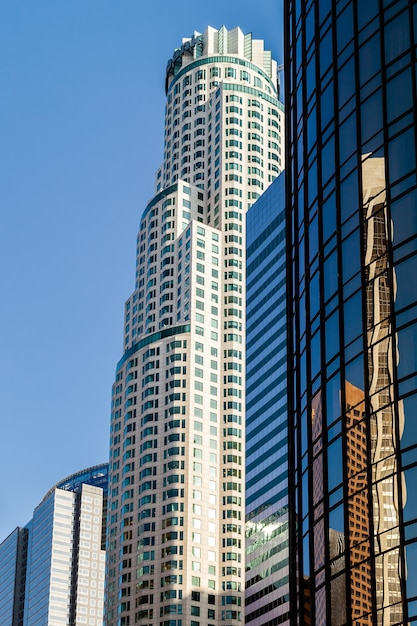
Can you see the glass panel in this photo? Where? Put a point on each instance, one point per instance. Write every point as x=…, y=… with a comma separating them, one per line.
x=346, y=83
x=334, y=463
x=407, y=342
x=406, y=292
x=371, y=115
x=329, y=217
x=369, y=58
x=333, y=399
x=367, y=11
x=408, y=422
x=330, y=276
x=349, y=197
x=404, y=217
x=401, y=84
x=397, y=37
x=409, y=499
x=411, y=569
x=351, y=256
x=353, y=318
x=332, y=336
x=401, y=152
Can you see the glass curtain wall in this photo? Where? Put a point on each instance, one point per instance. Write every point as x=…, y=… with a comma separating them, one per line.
x=352, y=226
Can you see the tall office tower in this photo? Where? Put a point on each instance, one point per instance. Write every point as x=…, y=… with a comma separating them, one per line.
x=352, y=218
x=52, y=571
x=176, y=509
x=267, y=559
x=13, y=555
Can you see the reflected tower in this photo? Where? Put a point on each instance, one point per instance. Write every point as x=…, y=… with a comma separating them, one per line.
x=352, y=227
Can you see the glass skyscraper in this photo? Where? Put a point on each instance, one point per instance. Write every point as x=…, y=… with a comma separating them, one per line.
x=352, y=224
x=13, y=555
x=177, y=468
x=267, y=558
x=52, y=571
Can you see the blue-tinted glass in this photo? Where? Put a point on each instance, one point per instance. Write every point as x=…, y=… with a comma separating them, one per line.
x=371, y=115
x=369, y=58
x=332, y=335
x=311, y=129
x=409, y=435
x=411, y=569
x=330, y=276
x=336, y=517
x=406, y=288
x=324, y=8
x=334, y=463
x=333, y=398
x=347, y=137
x=354, y=372
x=310, y=77
x=327, y=160
x=344, y=27
x=346, y=82
x=315, y=355
x=353, y=318
x=351, y=256
x=329, y=217
x=396, y=105
x=407, y=342
x=404, y=217
x=327, y=105
x=401, y=151
x=312, y=182
x=349, y=197
x=325, y=52
x=367, y=11
x=397, y=37
x=309, y=26
x=313, y=238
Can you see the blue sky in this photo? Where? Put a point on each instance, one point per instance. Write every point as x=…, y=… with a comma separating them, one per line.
x=81, y=135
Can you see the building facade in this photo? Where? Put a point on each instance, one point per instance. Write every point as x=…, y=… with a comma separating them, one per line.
x=267, y=534
x=176, y=506
x=352, y=227
x=52, y=571
x=13, y=555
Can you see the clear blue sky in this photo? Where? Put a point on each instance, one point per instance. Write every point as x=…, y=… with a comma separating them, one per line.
x=81, y=135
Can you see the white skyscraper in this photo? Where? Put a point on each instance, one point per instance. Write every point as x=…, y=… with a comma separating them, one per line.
x=176, y=502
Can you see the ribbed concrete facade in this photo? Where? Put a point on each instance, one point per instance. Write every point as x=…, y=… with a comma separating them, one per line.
x=176, y=509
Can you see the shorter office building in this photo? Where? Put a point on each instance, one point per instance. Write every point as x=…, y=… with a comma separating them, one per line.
x=267, y=586
x=52, y=571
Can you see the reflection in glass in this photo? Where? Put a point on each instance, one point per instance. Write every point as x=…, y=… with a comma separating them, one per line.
x=383, y=434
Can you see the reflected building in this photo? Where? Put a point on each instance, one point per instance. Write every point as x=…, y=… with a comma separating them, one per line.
x=176, y=542
x=352, y=228
x=52, y=571
x=267, y=569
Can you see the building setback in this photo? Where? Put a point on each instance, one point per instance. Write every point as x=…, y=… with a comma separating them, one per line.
x=267, y=571
x=177, y=456
x=352, y=226
x=52, y=571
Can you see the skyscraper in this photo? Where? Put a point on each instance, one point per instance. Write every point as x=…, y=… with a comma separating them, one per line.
x=13, y=557
x=352, y=218
x=176, y=509
x=267, y=558
x=52, y=571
